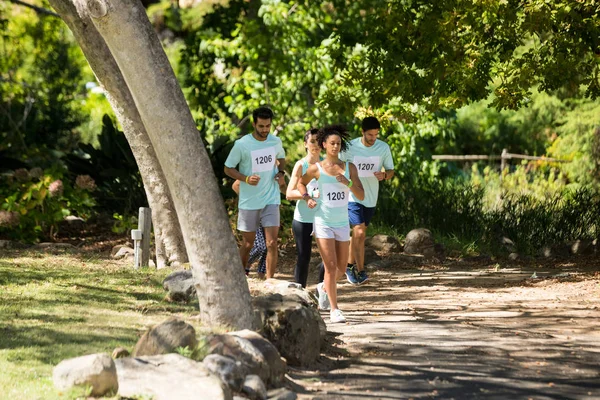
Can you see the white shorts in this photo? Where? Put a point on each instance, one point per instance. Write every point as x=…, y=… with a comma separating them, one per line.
x=341, y=234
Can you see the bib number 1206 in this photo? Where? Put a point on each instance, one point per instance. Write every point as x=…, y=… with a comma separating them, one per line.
x=264, y=159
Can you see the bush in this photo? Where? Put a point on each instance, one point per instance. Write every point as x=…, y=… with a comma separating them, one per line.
x=37, y=201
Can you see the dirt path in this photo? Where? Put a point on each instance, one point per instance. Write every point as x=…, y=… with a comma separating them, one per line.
x=464, y=331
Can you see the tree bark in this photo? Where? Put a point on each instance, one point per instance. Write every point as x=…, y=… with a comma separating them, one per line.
x=170, y=247
x=220, y=281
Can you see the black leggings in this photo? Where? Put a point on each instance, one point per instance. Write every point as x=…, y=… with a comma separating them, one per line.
x=302, y=232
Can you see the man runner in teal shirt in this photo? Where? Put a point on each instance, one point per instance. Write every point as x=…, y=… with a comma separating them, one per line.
x=370, y=156
x=257, y=156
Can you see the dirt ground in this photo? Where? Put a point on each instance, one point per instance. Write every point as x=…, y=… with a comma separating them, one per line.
x=479, y=329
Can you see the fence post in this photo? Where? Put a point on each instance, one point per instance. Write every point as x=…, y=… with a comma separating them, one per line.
x=503, y=159
x=145, y=225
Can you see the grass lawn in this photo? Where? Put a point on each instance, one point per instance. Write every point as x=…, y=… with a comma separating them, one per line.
x=58, y=306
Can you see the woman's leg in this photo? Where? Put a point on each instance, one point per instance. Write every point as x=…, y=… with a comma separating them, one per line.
x=342, y=249
x=327, y=248
x=303, y=240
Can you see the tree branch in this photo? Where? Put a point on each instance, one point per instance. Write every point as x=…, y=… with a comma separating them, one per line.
x=39, y=10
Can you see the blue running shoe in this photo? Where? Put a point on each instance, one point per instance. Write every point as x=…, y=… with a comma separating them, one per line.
x=351, y=275
x=362, y=277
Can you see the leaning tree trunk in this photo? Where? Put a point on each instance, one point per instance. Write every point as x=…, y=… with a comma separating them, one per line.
x=170, y=248
x=221, y=285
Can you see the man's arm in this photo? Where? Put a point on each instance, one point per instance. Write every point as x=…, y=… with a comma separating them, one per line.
x=389, y=174
x=280, y=167
x=235, y=174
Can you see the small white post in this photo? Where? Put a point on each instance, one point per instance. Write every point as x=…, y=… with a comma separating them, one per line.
x=136, y=235
x=145, y=225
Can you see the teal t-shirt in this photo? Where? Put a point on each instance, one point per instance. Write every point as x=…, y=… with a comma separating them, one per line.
x=257, y=158
x=367, y=161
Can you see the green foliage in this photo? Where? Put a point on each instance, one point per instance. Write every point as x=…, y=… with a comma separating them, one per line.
x=124, y=223
x=113, y=167
x=41, y=86
x=35, y=202
x=445, y=54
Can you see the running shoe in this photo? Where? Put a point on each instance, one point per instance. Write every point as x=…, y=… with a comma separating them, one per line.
x=323, y=298
x=362, y=277
x=336, y=316
x=351, y=275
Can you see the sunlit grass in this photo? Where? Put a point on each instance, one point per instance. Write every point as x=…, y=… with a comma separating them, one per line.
x=54, y=307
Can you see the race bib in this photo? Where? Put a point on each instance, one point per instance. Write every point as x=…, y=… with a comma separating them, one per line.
x=263, y=159
x=366, y=166
x=335, y=195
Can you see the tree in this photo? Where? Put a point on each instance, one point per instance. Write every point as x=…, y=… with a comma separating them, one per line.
x=447, y=53
x=128, y=60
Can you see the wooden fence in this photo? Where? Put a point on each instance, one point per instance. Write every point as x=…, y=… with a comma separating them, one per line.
x=504, y=157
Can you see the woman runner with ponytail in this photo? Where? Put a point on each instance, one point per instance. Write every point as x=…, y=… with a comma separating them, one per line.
x=336, y=179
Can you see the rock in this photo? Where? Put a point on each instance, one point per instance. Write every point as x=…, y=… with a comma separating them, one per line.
x=168, y=377
x=276, y=366
x=97, y=371
x=384, y=243
x=166, y=337
x=581, y=247
x=513, y=256
x=124, y=252
x=555, y=250
x=508, y=244
x=242, y=350
x=291, y=326
x=371, y=256
x=180, y=286
x=115, y=249
x=120, y=352
x=285, y=288
x=230, y=370
x=437, y=252
x=254, y=388
x=418, y=240
x=281, y=394
x=6, y=244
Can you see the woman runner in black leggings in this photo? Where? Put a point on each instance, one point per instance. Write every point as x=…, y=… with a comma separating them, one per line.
x=302, y=225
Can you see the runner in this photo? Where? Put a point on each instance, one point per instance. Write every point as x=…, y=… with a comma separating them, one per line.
x=331, y=227
x=370, y=155
x=257, y=154
x=302, y=225
x=259, y=248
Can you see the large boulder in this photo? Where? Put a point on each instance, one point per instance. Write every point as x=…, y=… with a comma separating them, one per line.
x=383, y=243
x=230, y=370
x=180, y=286
x=168, y=377
x=97, y=371
x=242, y=350
x=165, y=338
x=419, y=241
x=276, y=366
x=291, y=325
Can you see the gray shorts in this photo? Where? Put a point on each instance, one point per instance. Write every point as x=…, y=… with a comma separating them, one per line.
x=249, y=220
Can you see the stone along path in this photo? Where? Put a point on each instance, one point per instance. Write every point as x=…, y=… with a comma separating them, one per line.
x=463, y=331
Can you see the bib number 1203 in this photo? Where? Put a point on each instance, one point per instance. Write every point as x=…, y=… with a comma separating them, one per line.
x=335, y=196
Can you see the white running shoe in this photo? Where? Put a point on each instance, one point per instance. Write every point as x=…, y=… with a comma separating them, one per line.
x=323, y=298
x=336, y=316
